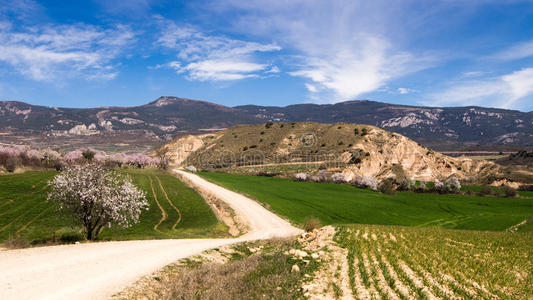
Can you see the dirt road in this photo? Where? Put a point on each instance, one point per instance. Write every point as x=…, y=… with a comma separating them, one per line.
x=98, y=270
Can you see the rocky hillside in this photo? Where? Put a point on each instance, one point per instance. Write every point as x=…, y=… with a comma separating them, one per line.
x=169, y=117
x=357, y=150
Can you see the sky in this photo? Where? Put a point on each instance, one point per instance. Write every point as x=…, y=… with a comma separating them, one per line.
x=275, y=52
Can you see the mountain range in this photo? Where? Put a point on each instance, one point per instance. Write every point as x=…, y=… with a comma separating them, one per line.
x=442, y=128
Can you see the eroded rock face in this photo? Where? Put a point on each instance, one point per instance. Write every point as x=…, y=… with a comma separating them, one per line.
x=375, y=153
x=180, y=149
x=390, y=153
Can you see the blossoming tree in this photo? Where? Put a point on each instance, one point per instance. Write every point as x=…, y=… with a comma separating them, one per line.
x=97, y=197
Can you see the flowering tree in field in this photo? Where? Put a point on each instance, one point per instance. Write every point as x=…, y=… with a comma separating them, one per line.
x=97, y=197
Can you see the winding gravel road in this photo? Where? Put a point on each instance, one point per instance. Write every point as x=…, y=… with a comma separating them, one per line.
x=98, y=270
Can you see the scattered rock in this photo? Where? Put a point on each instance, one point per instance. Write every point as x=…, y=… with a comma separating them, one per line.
x=295, y=268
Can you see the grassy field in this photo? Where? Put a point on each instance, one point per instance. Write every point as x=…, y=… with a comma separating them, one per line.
x=345, y=204
x=176, y=211
x=392, y=262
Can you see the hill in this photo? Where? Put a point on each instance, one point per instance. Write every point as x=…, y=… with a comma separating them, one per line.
x=356, y=150
x=141, y=127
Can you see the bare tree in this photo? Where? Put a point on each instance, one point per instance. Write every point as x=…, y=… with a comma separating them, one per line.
x=97, y=197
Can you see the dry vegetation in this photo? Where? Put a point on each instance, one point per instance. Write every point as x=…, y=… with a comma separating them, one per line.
x=254, y=270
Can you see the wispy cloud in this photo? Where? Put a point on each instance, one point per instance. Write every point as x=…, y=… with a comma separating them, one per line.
x=47, y=52
x=518, y=51
x=341, y=49
x=404, y=91
x=205, y=57
x=508, y=91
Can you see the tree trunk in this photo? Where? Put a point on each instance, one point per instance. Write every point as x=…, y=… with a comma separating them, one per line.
x=89, y=233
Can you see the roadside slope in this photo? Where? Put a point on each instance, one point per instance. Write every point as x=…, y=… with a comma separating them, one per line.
x=98, y=270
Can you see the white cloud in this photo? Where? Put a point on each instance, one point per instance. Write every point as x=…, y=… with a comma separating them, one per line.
x=274, y=69
x=404, y=91
x=48, y=52
x=213, y=58
x=311, y=88
x=512, y=90
x=518, y=51
x=342, y=48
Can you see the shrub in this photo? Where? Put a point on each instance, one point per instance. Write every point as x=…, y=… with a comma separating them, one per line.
x=301, y=176
x=88, y=154
x=268, y=125
x=311, y=223
x=11, y=163
x=17, y=242
x=526, y=188
x=405, y=185
x=510, y=192
x=438, y=186
x=486, y=191
x=71, y=238
x=322, y=176
x=364, y=132
x=366, y=182
x=356, y=131
x=387, y=186
x=452, y=185
x=97, y=197
x=338, y=178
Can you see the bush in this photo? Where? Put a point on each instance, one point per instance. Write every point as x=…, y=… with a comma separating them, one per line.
x=366, y=182
x=11, y=164
x=387, y=186
x=405, y=185
x=510, y=192
x=71, y=238
x=322, y=176
x=486, y=191
x=526, y=188
x=356, y=131
x=364, y=132
x=338, y=178
x=301, y=176
x=311, y=223
x=452, y=185
x=17, y=242
x=88, y=154
x=268, y=125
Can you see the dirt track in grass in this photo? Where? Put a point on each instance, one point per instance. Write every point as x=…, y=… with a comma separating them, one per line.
x=98, y=270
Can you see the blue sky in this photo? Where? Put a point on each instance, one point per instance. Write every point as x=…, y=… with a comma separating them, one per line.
x=108, y=52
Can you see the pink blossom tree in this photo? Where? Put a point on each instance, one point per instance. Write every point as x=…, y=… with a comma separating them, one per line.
x=97, y=197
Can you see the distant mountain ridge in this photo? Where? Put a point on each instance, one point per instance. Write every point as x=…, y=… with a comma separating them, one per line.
x=169, y=117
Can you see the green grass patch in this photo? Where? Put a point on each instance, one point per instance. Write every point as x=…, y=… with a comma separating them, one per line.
x=24, y=211
x=344, y=204
x=469, y=264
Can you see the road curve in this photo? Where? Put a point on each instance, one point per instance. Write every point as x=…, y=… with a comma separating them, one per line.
x=98, y=270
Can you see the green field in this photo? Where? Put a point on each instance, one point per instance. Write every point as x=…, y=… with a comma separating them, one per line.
x=176, y=211
x=345, y=204
x=392, y=262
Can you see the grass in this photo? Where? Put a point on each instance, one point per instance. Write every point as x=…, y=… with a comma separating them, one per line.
x=25, y=213
x=345, y=204
x=425, y=262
